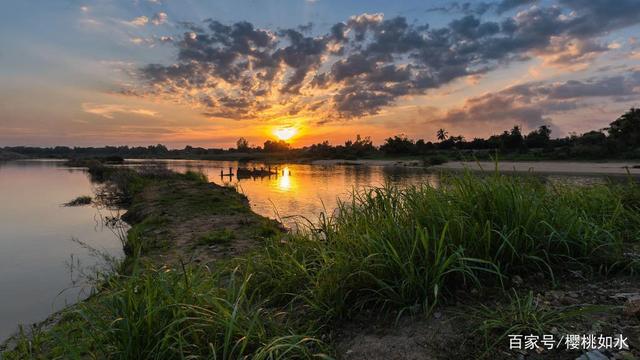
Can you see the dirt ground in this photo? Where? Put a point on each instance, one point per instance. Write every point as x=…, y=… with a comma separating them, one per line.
x=449, y=333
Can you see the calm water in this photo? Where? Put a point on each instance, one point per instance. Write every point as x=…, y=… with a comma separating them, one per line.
x=36, y=232
x=36, y=247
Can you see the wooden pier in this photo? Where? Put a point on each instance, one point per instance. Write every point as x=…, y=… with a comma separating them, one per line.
x=246, y=173
x=253, y=172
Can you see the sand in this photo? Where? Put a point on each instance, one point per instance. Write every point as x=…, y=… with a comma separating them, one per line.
x=549, y=167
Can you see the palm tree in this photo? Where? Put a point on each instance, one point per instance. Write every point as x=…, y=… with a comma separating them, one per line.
x=442, y=134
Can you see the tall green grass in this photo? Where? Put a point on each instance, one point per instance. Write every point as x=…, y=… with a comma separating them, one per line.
x=164, y=313
x=522, y=314
x=407, y=248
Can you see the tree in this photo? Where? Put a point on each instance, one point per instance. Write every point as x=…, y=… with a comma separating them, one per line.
x=360, y=147
x=442, y=134
x=592, y=138
x=242, y=144
x=276, y=146
x=625, y=131
x=538, y=138
x=398, y=144
x=513, y=140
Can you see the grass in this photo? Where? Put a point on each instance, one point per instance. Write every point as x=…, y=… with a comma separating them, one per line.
x=388, y=250
x=409, y=249
x=522, y=315
x=79, y=201
x=217, y=237
x=171, y=314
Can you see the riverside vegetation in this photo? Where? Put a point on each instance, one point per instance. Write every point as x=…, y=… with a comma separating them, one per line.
x=206, y=278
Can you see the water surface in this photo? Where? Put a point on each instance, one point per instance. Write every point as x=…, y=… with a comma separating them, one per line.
x=38, y=258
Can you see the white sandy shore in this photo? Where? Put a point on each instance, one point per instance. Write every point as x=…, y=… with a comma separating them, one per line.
x=549, y=167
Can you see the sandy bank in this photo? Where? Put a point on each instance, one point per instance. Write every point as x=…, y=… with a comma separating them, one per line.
x=368, y=162
x=549, y=167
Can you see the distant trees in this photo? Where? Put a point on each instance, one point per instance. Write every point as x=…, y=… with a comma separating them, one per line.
x=513, y=140
x=358, y=148
x=625, y=130
x=272, y=146
x=538, y=138
x=442, y=135
x=620, y=139
x=398, y=145
x=242, y=145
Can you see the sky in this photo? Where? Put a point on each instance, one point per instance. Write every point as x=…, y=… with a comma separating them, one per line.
x=206, y=72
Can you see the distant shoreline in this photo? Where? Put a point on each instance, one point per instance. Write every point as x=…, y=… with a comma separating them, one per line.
x=540, y=167
x=611, y=167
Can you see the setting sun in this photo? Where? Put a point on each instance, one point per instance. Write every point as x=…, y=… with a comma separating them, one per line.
x=285, y=133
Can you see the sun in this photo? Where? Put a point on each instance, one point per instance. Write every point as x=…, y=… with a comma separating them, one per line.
x=285, y=133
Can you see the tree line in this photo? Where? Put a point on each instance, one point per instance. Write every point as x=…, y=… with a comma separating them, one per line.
x=620, y=139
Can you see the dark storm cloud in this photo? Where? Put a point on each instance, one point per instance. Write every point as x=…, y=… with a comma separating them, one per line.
x=532, y=104
x=367, y=62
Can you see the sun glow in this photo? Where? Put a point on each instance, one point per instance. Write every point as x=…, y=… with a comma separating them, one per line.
x=285, y=133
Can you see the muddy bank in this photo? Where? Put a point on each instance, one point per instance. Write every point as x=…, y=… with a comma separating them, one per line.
x=181, y=220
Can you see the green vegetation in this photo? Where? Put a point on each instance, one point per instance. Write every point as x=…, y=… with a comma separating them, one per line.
x=387, y=251
x=522, y=315
x=79, y=201
x=217, y=237
x=409, y=249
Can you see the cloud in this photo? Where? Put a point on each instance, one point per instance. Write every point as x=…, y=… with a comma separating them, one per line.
x=159, y=18
x=481, y=7
x=368, y=62
x=108, y=111
x=533, y=104
x=506, y=5
x=571, y=53
x=139, y=21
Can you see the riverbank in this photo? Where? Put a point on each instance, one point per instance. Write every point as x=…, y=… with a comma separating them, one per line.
x=539, y=167
x=548, y=167
x=421, y=273
x=9, y=155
